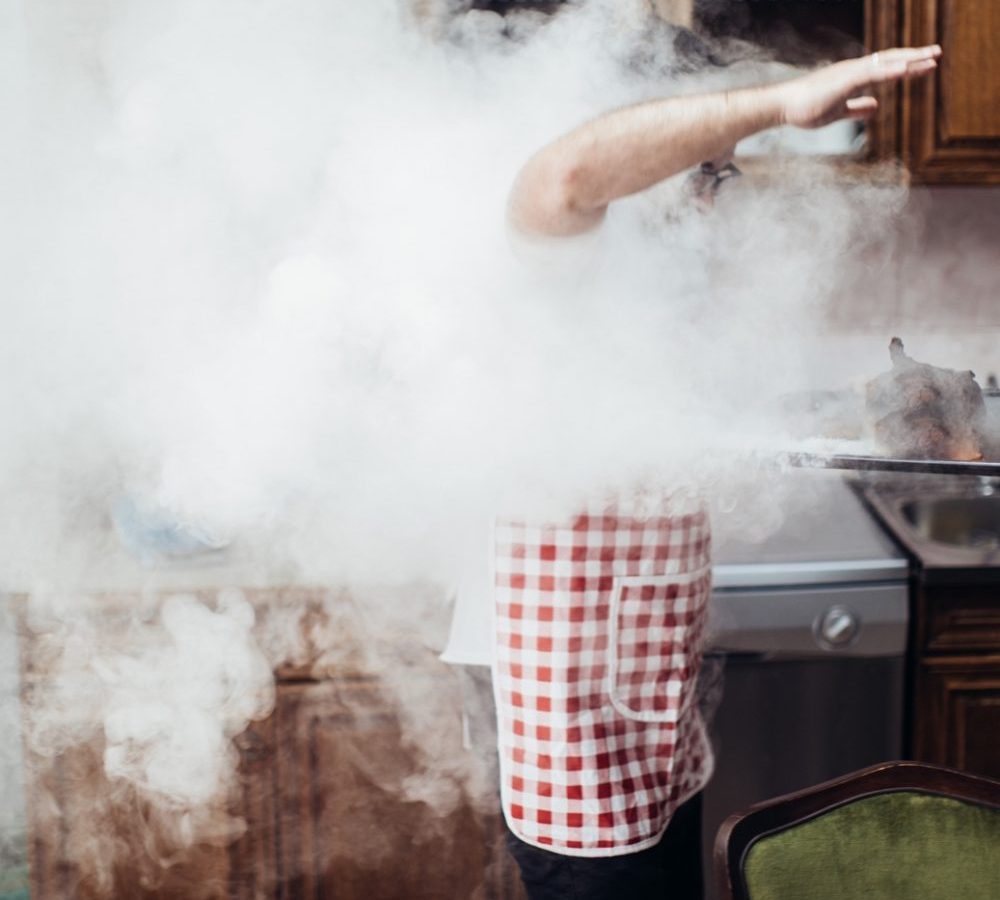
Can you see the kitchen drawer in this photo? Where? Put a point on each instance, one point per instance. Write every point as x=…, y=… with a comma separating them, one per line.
x=955, y=619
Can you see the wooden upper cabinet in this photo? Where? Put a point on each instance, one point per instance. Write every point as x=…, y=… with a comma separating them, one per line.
x=950, y=123
x=946, y=127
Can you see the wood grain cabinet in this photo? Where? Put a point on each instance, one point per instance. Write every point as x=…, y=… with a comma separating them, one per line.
x=334, y=796
x=950, y=124
x=330, y=814
x=945, y=128
x=956, y=672
x=958, y=723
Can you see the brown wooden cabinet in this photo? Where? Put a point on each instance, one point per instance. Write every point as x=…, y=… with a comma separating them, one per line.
x=950, y=124
x=91, y=838
x=958, y=720
x=325, y=790
x=331, y=800
x=956, y=672
x=945, y=128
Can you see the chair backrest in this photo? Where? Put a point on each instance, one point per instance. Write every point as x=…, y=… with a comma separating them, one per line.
x=896, y=831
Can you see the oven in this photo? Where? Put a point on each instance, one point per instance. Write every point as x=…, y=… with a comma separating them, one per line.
x=804, y=678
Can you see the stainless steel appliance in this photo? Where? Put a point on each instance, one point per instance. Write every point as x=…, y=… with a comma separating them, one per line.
x=808, y=644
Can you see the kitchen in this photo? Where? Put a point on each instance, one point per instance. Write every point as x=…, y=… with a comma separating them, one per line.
x=932, y=280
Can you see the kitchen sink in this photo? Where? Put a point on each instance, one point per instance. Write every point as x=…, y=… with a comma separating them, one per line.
x=946, y=523
x=972, y=522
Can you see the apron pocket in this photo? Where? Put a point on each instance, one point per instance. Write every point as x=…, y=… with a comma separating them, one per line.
x=654, y=649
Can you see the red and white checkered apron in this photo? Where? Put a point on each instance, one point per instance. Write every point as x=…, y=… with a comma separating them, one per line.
x=599, y=626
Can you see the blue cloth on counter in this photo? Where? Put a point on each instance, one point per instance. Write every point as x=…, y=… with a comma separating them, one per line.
x=152, y=534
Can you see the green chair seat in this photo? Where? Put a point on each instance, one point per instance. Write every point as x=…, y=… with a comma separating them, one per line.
x=902, y=845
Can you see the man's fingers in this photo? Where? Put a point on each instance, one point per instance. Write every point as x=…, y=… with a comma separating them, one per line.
x=905, y=54
x=889, y=65
x=860, y=107
x=897, y=70
x=868, y=73
x=886, y=58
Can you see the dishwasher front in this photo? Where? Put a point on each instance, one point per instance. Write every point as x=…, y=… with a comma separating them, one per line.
x=803, y=680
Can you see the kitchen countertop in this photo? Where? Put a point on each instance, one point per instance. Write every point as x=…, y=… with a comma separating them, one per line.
x=820, y=533
x=104, y=566
x=809, y=523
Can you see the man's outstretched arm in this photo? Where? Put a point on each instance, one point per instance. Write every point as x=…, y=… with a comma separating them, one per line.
x=566, y=187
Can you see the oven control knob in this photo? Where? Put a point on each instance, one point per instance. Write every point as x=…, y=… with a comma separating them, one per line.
x=838, y=627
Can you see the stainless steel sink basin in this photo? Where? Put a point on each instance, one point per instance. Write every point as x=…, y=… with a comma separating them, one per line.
x=945, y=523
x=972, y=522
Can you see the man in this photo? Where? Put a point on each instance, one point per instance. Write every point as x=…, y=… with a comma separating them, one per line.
x=599, y=619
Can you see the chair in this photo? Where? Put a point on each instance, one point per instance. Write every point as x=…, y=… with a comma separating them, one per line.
x=895, y=831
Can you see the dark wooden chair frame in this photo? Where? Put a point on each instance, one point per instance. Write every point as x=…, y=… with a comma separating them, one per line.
x=742, y=829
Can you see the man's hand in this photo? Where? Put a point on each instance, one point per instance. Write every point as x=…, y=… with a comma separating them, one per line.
x=840, y=91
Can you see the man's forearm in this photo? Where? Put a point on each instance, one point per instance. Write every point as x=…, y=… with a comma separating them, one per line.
x=566, y=187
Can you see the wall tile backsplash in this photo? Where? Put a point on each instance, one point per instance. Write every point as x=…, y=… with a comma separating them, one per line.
x=934, y=281
x=949, y=258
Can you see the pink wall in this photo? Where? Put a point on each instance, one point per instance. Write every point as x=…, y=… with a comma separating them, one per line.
x=948, y=260
x=934, y=281
x=937, y=271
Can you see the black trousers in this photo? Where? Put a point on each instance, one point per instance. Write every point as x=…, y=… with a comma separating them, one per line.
x=670, y=870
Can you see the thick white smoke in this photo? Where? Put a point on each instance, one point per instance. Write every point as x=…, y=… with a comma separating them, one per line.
x=258, y=274
x=167, y=694
x=257, y=277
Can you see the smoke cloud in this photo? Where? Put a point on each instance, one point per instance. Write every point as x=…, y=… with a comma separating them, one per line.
x=258, y=279
x=260, y=275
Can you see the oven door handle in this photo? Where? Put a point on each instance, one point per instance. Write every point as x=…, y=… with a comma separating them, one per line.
x=723, y=655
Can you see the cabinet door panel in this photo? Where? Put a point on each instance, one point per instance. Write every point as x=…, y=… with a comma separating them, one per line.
x=335, y=807
x=96, y=839
x=957, y=719
x=254, y=866
x=970, y=81
x=951, y=121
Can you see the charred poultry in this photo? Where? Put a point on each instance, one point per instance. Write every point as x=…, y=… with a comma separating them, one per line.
x=923, y=412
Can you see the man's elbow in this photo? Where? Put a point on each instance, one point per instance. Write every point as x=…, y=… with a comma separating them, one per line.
x=554, y=201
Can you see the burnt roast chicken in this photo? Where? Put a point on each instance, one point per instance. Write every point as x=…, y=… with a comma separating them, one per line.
x=923, y=412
